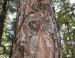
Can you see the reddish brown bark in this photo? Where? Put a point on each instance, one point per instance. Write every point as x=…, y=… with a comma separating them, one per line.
x=42, y=51
x=36, y=32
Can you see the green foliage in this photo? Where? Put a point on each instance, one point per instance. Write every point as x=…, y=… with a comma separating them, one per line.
x=66, y=24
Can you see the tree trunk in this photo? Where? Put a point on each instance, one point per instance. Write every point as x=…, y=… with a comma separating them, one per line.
x=2, y=18
x=36, y=30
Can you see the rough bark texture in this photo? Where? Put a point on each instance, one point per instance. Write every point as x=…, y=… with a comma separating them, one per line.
x=36, y=32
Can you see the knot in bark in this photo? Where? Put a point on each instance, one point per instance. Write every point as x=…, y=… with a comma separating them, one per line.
x=34, y=25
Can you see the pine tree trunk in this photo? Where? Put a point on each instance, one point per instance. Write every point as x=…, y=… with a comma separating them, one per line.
x=36, y=30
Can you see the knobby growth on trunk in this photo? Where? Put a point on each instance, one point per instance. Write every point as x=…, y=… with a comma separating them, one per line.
x=36, y=30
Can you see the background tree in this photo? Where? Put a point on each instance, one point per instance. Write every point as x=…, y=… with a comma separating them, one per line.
x=7, y=27
x=2, y=16
x=5, y=6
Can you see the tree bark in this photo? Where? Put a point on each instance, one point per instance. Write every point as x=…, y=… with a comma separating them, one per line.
x=36, y=30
